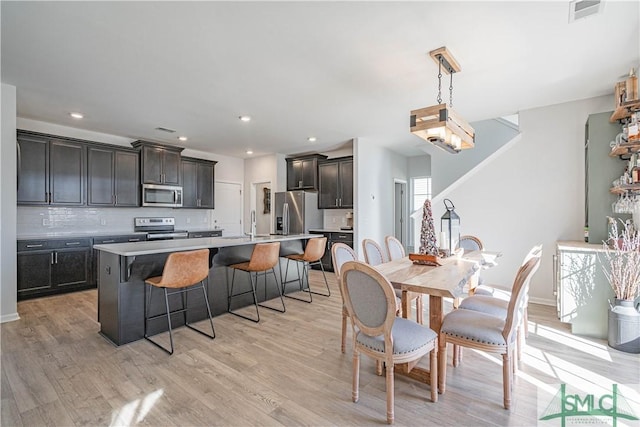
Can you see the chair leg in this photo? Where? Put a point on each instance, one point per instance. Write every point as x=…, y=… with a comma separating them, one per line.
x=328, y=294
x=420, y=310
x=355, y=381
x=506, y=378
x=519, y=342
x=252, y=291
x=456, y=355
x=379, y=367
x=442, y=363
x=206, y=301
x=390, y=396
x=300, y=283
x=279, y=292
x=344, y=330
x=146, y=318
x=433, y=367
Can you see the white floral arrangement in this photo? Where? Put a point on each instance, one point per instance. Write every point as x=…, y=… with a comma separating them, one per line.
x=622, y=255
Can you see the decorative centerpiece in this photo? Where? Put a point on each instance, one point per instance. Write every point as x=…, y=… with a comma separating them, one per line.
x=622, y=270
x=429, y=254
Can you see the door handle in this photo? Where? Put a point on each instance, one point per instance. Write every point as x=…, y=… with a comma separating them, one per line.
x=34, y=246
x=52, y=262
x=56, y=257
x=72, y=243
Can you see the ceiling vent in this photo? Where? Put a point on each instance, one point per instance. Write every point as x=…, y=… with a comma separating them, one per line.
x=166, y=130
x=579, y=9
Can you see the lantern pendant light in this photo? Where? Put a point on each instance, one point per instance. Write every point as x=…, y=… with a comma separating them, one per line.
x=439, y=124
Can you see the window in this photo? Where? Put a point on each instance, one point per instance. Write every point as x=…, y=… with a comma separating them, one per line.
x=421, y=191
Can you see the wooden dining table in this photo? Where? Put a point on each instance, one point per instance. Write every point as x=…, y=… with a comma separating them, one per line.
x=438, y=282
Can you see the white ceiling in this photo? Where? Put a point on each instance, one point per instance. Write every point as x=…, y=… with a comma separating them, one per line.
x=334, y=70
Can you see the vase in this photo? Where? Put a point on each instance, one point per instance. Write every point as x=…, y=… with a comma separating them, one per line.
x=624, y=326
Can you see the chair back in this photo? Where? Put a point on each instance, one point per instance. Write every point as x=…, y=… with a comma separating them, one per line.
x=264, y=256
x=373, y=254
x=519, y=292
x=369, y=299
x=470, y=243
x=185, y=269
x=341, y=253
x=315, y=249
x=395, y=250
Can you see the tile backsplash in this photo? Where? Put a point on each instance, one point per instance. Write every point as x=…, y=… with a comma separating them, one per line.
x=335, y=218
x=40, y=220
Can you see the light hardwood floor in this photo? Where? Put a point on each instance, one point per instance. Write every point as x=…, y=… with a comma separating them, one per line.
x=286, y=370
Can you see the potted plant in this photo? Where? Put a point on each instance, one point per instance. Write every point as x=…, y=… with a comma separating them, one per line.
x=622, y=269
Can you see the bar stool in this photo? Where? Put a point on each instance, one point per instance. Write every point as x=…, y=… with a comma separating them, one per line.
x=312, y=255
x=264, y=258
x=183, y=271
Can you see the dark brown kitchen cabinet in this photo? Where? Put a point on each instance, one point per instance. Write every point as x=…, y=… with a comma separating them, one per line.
x=332, y=237
x=197, y=183
x=335, y=183
x=50, y=171
x=160, y=163
x=47, y=267
x=210, y=233
x=113, y=177
x=103, y=240
x=302, y=172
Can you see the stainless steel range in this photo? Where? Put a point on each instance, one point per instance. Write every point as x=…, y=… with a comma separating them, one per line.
x=158, y=228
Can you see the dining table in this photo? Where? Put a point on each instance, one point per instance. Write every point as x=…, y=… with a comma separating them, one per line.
x=450, y=279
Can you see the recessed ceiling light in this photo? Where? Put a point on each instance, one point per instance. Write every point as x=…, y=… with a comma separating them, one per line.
x=182, y=138
x=312, y=139
x=76, y=115
x=249, y=152
x=245, y=118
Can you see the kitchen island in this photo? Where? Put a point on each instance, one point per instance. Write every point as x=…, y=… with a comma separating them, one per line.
x=123, y=268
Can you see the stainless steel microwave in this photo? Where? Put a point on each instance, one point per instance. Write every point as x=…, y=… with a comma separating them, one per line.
x=168, y=196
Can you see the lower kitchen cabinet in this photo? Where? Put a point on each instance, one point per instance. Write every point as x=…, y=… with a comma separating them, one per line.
x=332, y=237
x=102, y=240
x=47, y=267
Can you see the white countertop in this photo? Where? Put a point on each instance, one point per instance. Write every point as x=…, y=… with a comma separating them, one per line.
x=576, y=245
x=164, y=246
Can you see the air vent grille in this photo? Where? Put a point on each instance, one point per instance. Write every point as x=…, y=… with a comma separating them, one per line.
x=166, y=130
x=579, y=9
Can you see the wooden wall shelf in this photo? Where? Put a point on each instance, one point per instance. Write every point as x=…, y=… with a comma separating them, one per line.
x=623, y=149
x=626, y=188
x=624, y=110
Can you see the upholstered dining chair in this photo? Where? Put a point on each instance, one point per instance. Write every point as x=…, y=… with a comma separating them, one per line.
x=341, y=253
x=373, y=253
x=378, y=333
x=395, y=250
x=470, y=243
x=495, y=302
x=481, y=331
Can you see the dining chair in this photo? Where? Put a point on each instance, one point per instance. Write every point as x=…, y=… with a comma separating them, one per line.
x=495, y=302
x=379, y=333
x=470, y=243
x=374, y=255
x=341, y=253
x=482, y=331
x=183, y=272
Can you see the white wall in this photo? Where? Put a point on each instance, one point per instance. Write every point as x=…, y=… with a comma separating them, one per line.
x=8, y=260
x=375, y=169
x=531, y=193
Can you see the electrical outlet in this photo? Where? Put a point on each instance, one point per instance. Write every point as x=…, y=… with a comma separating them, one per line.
x=45, y=222
x=333, y=220
x=188, y=220
x=103, y=221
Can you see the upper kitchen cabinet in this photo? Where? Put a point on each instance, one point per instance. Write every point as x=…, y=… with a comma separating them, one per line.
x=160, y=163
x=113, y=177
x=302, y=172
x=51, y=171
x=335, y=179
x=197, y=183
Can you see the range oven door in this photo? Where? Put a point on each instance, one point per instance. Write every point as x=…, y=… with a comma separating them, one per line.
x=161, y=195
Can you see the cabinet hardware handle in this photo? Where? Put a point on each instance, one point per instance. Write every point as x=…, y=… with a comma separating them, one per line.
x=340, y=202
x=52, y=262
x=134, y=240
x=46, y=197
x=109, y=241
x=113, y=199
x=299, y=183
x=336, y=202
x=34, y=246
x=72, y=243
x=116, y=197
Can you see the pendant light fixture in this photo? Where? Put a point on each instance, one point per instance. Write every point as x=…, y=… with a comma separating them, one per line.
x=439, y=124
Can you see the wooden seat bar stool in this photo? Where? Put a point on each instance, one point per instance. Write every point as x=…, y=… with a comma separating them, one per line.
x=264, y=258
x=183, y=272
x=312, y=255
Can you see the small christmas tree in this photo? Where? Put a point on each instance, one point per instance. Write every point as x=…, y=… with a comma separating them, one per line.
x=428, y=244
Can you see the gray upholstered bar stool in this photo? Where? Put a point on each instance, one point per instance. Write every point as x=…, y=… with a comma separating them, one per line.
x=264, y=258
x=183, y=272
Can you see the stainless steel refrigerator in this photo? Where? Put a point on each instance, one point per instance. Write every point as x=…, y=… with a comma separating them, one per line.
x=296, y=212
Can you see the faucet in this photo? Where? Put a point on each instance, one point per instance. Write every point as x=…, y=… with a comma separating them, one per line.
x=252, y=232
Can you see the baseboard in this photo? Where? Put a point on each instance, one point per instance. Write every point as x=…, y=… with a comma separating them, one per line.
x=9, y=317
x=542, y=301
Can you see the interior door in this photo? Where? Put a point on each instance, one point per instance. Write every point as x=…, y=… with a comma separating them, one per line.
x=400, y=211
x=228, y=212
